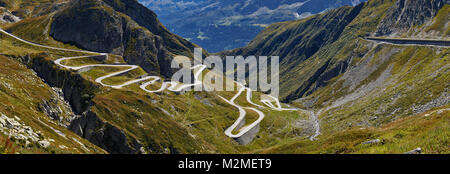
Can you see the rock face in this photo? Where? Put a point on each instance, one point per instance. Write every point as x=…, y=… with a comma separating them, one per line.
x=105, y=34
x=56, y=108
x=104, y=135
x=76, y=90
x=120, y=27
x=408, y=13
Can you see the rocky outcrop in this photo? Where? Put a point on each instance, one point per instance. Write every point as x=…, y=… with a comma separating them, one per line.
x=57, y=108
x=77, y=91
x=91, y=28
x=14, y=128
x=7, y=17
x=48, y=108
x=408, y=13
x=104, y=135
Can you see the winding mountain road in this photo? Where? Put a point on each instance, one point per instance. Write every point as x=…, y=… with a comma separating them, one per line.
x=245, y=134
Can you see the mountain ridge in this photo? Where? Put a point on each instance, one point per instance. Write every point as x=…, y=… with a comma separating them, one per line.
x=223, y=25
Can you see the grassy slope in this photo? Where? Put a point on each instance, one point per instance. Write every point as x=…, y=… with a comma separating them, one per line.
x=416, y=76
x=429, y=130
